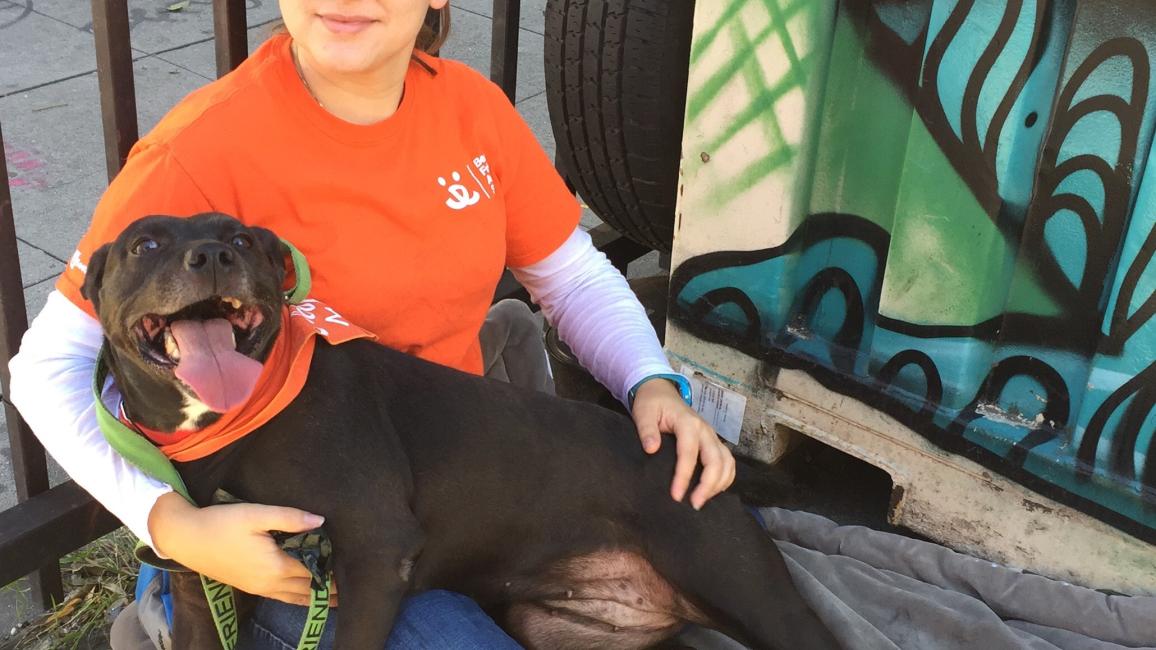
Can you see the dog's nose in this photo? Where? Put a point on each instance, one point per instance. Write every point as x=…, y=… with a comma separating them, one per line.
x=208, y=255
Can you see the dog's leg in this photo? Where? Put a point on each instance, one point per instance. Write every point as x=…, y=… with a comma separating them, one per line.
x=373, y=570
x=192, y=623
x=725, y=563
x=193, y=627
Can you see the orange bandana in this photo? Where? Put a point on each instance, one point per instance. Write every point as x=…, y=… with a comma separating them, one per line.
x=282, y=378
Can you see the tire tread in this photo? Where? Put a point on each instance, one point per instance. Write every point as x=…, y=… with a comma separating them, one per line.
x=616, y=89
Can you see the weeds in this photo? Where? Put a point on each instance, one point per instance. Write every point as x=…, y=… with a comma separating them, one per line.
x=98, y=581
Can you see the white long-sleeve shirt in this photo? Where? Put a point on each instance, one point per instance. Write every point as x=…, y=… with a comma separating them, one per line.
x=579, y=291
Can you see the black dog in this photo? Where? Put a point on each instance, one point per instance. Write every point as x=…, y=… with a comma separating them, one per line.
x=545, y=511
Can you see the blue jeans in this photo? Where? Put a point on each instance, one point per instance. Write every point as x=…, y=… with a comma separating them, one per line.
x=431, y=620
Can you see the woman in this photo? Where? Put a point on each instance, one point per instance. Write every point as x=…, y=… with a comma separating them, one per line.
x=410, y=183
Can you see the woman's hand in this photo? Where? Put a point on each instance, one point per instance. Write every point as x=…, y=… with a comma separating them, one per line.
x=231, y=544
x=658, y=408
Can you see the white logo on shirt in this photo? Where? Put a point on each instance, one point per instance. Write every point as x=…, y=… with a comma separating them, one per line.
x=461, y=196
x=75, y=263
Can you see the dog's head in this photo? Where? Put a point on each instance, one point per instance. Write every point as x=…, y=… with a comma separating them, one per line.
x=190, y=308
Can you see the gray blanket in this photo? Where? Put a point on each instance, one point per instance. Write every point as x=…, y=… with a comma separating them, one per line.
x=878, y=590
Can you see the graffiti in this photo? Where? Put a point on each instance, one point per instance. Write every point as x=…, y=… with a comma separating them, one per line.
x=25, y=168
x=15, y=13
x=772, y=89
x=965, y=225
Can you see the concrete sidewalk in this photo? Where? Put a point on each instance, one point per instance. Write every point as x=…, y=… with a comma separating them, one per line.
x=54, y=147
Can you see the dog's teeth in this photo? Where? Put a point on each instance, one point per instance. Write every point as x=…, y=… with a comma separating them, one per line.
x=235, y=303
x=171, y=348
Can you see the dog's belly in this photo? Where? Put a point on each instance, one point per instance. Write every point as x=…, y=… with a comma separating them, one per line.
x=606, y=599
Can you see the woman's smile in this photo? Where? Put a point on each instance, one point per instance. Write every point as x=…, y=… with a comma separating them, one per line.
x=343, y=24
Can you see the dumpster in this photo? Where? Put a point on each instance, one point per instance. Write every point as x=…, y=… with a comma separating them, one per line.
x=922, y=232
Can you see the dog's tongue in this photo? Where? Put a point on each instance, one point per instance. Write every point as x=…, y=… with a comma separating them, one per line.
x=220, y=376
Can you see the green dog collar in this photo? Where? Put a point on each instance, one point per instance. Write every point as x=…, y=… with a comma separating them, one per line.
x=301, y=272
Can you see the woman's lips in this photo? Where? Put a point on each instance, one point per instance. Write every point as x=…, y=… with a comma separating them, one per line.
x=346, y=24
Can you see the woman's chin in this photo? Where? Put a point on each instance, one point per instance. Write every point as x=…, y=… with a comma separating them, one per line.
x=348, y=59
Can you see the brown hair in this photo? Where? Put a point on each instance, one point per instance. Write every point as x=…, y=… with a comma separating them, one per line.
x=435, y=31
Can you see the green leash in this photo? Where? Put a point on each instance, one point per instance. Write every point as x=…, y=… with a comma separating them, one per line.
x=312, y=547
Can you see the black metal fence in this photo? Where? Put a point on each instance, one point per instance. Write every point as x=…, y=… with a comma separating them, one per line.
x=49, y=522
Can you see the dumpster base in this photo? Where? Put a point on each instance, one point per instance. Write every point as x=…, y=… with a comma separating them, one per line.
x=944, y=496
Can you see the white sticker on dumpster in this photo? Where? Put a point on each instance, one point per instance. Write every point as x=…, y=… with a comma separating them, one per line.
x=721, y=407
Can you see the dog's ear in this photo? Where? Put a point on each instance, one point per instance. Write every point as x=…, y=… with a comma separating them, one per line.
x=94, y=275
x=275, y=249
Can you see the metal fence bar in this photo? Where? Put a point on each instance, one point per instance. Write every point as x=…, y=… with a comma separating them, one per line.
x=230, y=25
x=29, y=464
x=504, y=45
x=117, y=88
x=40, y=531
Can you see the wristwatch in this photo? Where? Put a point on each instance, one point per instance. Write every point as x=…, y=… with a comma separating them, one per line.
x=678, y=380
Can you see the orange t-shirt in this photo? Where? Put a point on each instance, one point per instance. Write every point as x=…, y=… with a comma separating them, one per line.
x=407, y=224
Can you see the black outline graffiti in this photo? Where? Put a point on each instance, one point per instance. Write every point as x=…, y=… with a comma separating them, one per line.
x=1123, y=325
x=1055, y=414
x=816, y=230
x=985, y=331
x=845, y=343
x=933, y=394
x=1142, y=390
x=916, y=77
x=19, y=17
x=716, y=298
x=1082, y=302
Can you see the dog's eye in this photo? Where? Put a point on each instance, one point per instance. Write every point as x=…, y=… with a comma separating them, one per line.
x=143, y=245
x=242, y=241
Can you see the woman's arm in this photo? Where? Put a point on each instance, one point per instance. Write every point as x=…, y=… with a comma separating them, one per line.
x=596, y=314
x=601, y=320
x=52, y=388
